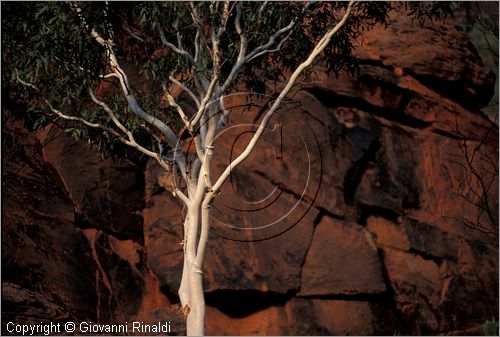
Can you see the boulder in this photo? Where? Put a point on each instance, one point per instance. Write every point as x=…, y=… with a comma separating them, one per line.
x=342, y=260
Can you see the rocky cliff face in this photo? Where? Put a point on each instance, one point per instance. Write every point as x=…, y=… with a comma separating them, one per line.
x=356, y=215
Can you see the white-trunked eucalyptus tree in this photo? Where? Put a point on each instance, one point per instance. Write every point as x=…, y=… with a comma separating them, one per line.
x=57, y=54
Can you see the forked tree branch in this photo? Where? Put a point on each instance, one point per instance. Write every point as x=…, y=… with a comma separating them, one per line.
x=186, y=90
x=177, y=107
x=244, y=58
x=213, y=191
x=316, y=51
x=133, y=143
x=203, y=104
x=68, y=117
x=241, y=55
x=129, y=142
x=177, y=49
x=85, y=122
x=132, y=101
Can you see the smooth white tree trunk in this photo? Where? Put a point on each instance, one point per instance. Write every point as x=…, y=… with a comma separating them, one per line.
x=200, y=192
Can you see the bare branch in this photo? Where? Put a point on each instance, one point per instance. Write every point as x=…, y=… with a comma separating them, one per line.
x=173, y=47
x=269, y=51
x=186, y=90
x=84, y=121
x=184, y=293
x=133, y=143
x=262, y=49
x=225, y=113
x=199, y=22
x=176, y=106
x=272, y=40
x=68, y=117
x=126, y=28
x=134, y=105
x=178, y=35
x=225, y=16
x=215, y=51
x=109, y=75
x=241, y=55
x=203, y=104
x=316, y=51
x=197, y=46
x=261, y=8
x=178, y=193
x=30, y=85
x=109, y=112
x=130, y=142
x=205, y=230
x=195, y=168
x=199, y=148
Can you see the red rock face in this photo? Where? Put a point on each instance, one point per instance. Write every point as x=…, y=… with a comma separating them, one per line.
x=73, y=235
x=325, y=271
x=353, y=216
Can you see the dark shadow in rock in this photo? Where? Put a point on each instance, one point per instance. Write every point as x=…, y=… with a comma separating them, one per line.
x=241, y=303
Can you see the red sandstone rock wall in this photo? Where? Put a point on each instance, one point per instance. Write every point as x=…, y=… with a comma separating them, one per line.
x=368, y=234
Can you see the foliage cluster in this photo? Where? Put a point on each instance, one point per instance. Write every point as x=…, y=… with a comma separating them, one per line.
x=49, y=44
